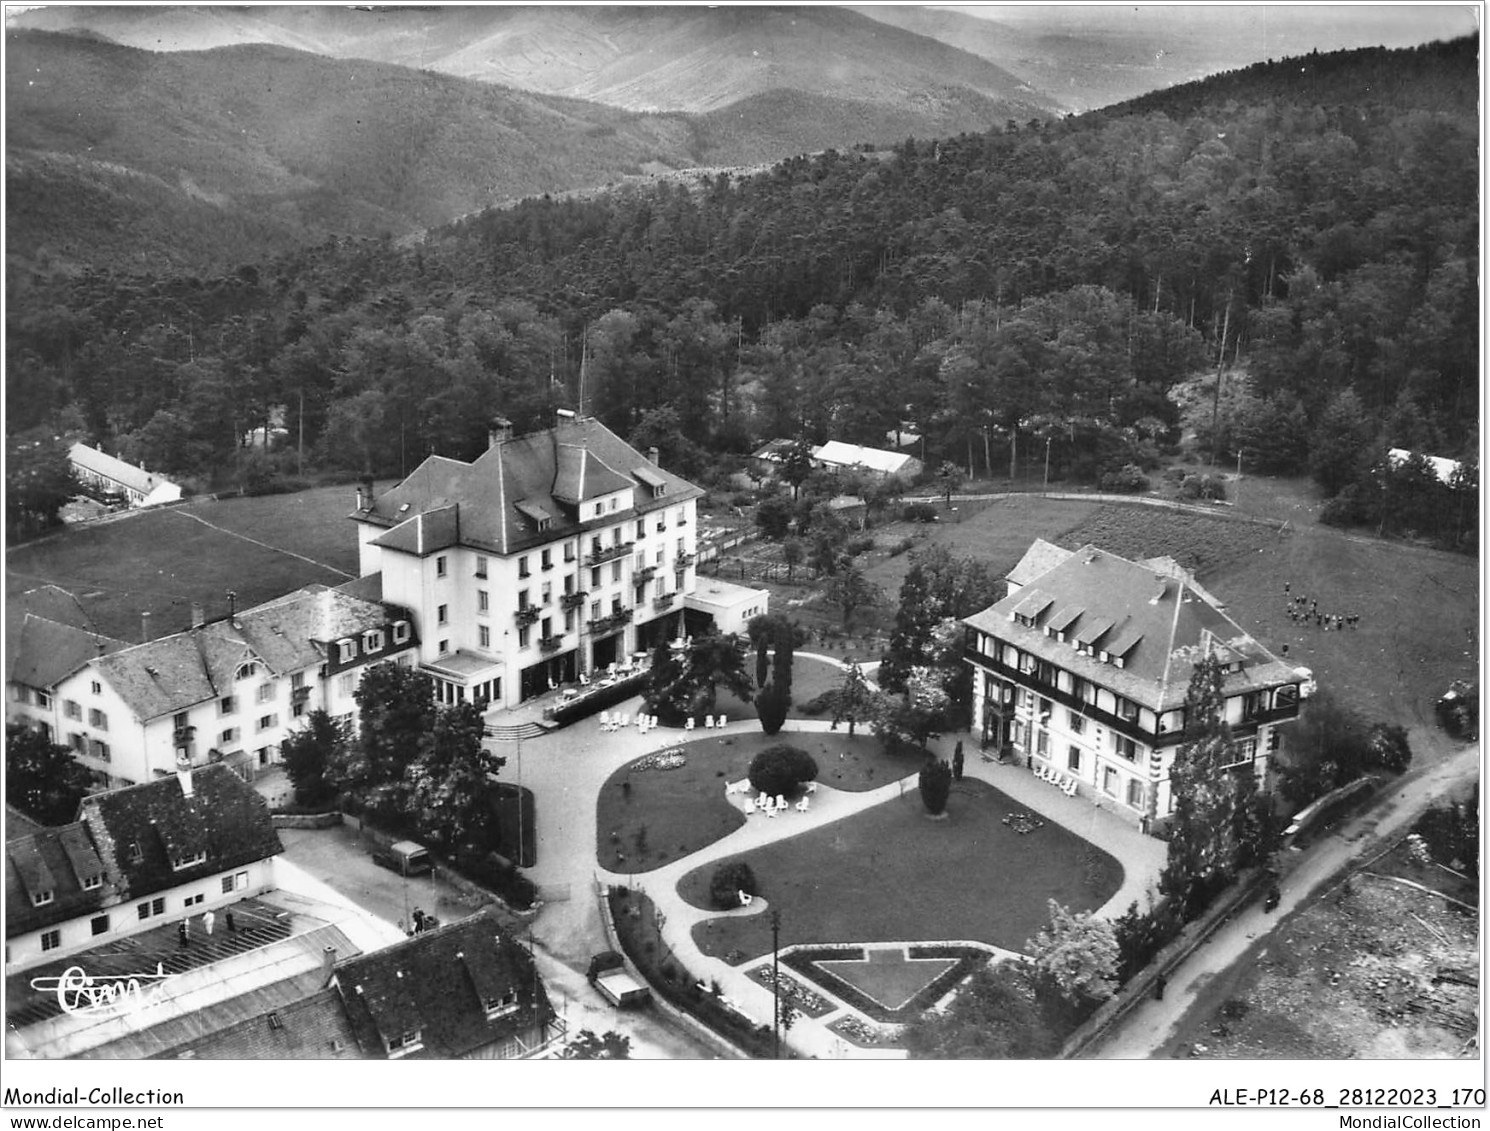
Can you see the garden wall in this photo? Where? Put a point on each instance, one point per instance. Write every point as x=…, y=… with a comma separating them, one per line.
x=1138, y=987
x=305, y=820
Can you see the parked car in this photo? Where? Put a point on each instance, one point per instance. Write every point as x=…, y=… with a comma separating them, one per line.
x=406, y=857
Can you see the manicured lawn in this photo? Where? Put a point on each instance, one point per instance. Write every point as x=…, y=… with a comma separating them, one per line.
x=891, y=874
x=684, y=809
x=163, y=561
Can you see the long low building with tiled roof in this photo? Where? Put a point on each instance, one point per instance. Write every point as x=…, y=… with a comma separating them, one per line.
x=140, y=487
x=1083, y=671
x=229, y=690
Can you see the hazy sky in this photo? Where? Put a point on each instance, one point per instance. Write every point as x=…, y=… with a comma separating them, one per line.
x=1280, y=28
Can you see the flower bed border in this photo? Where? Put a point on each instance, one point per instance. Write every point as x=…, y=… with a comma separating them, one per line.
x=791, y=990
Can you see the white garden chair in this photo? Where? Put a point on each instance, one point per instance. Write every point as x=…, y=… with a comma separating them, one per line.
x=749, y=807
x=802, y=805
x=688, y=723
x=812, y=787
x=708, y=722
x=719, y=721
x=780, y=801
x=1071, y=788
x=745, y=898
x=605, y=720
x=771, y=812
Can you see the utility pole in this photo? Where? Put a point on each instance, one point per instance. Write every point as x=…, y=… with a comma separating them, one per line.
x=776, y=982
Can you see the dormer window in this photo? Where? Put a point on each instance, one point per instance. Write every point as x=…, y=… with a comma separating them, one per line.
x=501, y=1005
x=41, y=898
x=401, y=632
x=180, y=863
x=405, y=1043
x=136, y=854
x=90, y=883
x=372, y=640
x=247, y=670
x=346, y=651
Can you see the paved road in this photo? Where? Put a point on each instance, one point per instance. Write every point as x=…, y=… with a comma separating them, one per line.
x=1154, y=1024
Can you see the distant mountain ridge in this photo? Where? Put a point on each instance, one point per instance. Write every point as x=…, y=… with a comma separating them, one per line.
x=689, y=58
x=196, y=159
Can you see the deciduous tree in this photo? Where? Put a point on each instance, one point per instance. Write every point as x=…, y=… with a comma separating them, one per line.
x=1078, y=952
x=42, y=779
x=309, y=755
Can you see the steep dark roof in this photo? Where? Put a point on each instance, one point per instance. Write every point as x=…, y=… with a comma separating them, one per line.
x=42, y=653
x=287, y=634
x=313, y=1028
x=550, y=472
x=1150, y=613
x=439, y=983
x=51, y=859
x=140, y=829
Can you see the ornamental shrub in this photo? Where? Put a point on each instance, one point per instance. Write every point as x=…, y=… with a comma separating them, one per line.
x=771, y=705
x=781, y=770
x=728, y=881
x=936, y=785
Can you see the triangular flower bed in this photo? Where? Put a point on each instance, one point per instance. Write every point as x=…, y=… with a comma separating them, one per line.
x=809, y=961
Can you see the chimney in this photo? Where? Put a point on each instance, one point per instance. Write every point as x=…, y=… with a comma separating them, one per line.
x=563, y=416
x=232, y=604
x=184, y=777
x=198, y=617
x=360, y=505
x=500, y=431
x=328, y=965
x=145, y=627
x=652, y=456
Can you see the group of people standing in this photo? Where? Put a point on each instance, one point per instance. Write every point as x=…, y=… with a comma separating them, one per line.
x=1303, y=610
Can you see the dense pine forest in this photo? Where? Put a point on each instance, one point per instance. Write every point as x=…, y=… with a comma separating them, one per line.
x=1307, y=229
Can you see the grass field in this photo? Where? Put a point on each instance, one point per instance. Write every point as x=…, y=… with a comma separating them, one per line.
x=684, y=809
x=891, y=874
x=1200, y=543
x=163, y=561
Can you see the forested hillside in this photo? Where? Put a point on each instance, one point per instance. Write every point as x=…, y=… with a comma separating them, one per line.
x=1312, y=226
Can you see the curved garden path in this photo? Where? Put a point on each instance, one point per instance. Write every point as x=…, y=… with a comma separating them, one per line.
x=566, y=770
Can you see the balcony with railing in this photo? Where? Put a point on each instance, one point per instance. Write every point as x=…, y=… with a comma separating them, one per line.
x=643, y=575
x=573, y=600
x=686, y=560
x=608, y=553
x=528, y=614
x=664, y=602
x=607, y=623
x=547, y=644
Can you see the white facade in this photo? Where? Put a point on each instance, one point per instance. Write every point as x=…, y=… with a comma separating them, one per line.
x=99, y=927
x=484, y=618
x=551, y=556
x=218, y=693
